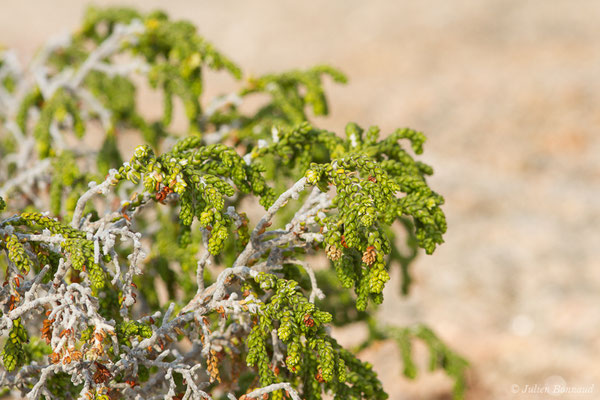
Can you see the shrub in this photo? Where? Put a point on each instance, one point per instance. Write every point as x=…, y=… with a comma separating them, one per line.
x=89, y=240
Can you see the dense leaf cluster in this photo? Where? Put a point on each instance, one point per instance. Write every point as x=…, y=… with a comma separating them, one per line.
x=74, y=245
x=312, y=356
x=188, y=192
x=13, y=354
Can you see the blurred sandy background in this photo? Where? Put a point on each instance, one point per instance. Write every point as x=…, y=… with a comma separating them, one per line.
x=508, y=93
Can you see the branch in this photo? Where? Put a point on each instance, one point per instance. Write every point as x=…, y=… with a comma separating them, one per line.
x=93, y=190
x=271, y=388
x=109, y=46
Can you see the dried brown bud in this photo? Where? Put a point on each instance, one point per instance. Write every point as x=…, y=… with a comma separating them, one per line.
x=319, y=377
x=213, y=366
x=75, y=354
x=65, y=332
x=333, y=253
x=343, y=241
x=99, y=336
x=102, y=374
x=47, y=330
x=308, y=321
x=54, y=358
x=370, y=255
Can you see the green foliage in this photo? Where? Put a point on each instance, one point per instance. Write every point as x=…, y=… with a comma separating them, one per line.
x=290, y=93
x=68, y=177
x=440, y=355
x=80, y=251
x=60, y=386
x=312, y=356
x=16, y=253
x=203, y=180
x=339, y=301
x=368, y=180
x=33, y=99
x=368, y=175
x=404, y=257
x=39, y=221
x=173, y=49
x=14, y=354
x=36, y=349
x=198, y=175
x=127, y=329
x=61, y=105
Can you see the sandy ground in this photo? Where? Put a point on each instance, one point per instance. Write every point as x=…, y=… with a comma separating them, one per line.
x=508, y=93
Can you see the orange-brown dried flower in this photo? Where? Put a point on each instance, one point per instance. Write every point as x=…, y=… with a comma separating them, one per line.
x=65, y=332
x=370, y=255
x=102, y=374
x=319, y=377
x=343, y=241
x=333, y=253
x=75, y=355
x=308, y=321
x=99, y=336
x=54, y=358
x=47, y=330
x=213, y=366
